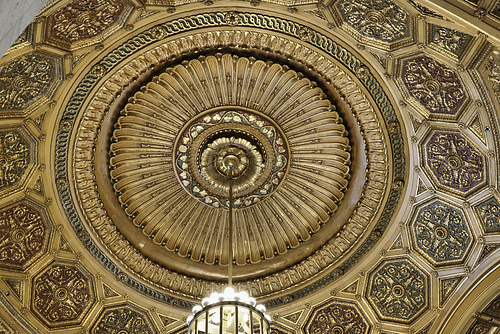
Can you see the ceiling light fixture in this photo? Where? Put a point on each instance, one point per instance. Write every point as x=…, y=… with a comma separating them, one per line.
x=229, y=312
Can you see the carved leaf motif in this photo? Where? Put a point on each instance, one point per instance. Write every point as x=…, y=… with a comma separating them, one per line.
x=441, y=232
x=337, y=317
x=62, y=294
x=82, y=19
x=123, y=319
x=14, y=157
x=24, y=81
x=450, y=40
x=398, y=290
x=23, y=236
x=434, y=85
x=489, y=215
x=454, y=162
x=382, y=20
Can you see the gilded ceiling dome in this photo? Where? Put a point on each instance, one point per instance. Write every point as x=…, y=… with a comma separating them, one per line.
x=361, y=138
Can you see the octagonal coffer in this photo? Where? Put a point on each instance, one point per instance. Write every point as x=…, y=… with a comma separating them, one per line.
x=440, y=233
x=453, y=163
x=123, y=318
x=81, y=23
x=25, y=230
x=337, y=316
x=62, y=294
x=383, y=24
x=397, y=289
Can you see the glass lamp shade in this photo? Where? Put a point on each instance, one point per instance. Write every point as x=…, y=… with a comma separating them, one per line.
x=229, y=313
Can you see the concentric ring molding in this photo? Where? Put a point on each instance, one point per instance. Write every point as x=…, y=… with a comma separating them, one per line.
x=130, y=257
x=240, y=272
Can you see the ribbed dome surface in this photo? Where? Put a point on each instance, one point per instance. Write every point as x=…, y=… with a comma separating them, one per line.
x=181, y=204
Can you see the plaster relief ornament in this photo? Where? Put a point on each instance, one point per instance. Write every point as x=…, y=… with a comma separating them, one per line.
x=259, y=160
x=435, y=86
x=24, y=235
x=451, y=41
x=441, y=233
x=27, y=82
x=397, y=290
x=382, y=23
x=85, y=22
x=489, y=215
x=63, y=293
x=123, y=319
x=337, y=316
x=454, y=163
x=15, y=157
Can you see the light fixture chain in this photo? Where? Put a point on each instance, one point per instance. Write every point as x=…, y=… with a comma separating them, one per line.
x=230, y=263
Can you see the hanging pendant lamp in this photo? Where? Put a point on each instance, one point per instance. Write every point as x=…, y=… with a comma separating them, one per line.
x=229, y=312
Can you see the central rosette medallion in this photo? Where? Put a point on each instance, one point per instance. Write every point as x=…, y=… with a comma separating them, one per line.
x=175, y=138
x=257, y=144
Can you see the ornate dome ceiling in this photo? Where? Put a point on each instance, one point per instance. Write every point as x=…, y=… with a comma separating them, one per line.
x=365, y=141
x=303, y=201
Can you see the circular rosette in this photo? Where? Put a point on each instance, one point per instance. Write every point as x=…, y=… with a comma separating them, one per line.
x=258, y=146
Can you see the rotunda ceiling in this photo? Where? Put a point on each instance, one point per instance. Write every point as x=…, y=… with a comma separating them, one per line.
x=363, y=138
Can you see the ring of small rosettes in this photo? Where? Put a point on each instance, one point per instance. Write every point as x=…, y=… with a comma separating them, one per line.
x=136, y=261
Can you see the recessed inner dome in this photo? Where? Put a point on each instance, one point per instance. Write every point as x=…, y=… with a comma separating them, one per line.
x=287, y=144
